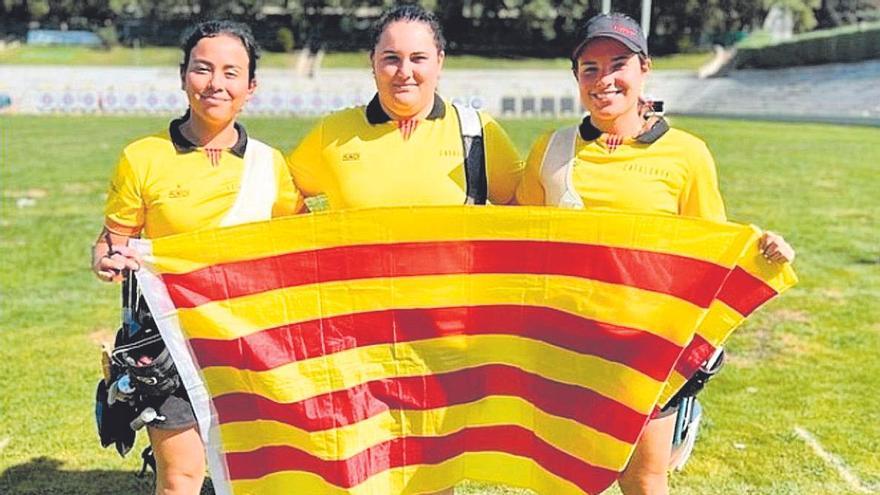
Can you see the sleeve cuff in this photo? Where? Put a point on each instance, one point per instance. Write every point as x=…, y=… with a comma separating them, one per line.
x=120, y=229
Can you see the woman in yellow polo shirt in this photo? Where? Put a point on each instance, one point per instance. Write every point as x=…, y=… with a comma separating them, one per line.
x=405, y=147
x=621, y=157
x=202, y=172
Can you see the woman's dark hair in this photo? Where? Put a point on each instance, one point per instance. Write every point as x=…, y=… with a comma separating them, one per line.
x=408, y=13
x=210, y=29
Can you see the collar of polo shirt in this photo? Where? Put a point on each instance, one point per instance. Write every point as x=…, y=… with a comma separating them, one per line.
x=184, y=145
x=589, y=132
x=376, y=115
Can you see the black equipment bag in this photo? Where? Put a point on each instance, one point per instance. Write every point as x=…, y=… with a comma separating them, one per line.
x=139, y=357
x=113, y=421
x=139, y=348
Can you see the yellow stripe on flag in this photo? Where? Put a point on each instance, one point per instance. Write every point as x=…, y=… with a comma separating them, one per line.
x=304, y=379
x=720, y=321
x=671, y=318
x=567, y=435
x=778, y=276
x=415, y=479
x=696, y=238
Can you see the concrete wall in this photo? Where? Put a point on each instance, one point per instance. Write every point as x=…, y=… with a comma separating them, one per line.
x=835, y=92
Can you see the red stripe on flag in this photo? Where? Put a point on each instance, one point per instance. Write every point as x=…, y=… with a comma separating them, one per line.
x=410, y=451
x=744, y=292
x=693, y=280
x=694, y=355
x=349, y=406
x=268, y=349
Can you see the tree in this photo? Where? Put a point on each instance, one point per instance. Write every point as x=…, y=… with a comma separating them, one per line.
x=835, y=13
x=803, y=10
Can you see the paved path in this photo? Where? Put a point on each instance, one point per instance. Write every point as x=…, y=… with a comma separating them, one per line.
x=834, y=92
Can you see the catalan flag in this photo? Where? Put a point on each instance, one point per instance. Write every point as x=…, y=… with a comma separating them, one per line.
x=402, y=350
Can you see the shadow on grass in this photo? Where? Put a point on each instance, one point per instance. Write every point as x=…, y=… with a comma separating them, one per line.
x=44, y=476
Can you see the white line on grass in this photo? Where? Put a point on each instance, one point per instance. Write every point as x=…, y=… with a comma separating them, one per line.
x=852, y=480
x=3, y=443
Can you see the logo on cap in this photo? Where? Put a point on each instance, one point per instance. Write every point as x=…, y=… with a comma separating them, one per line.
x=623, y=30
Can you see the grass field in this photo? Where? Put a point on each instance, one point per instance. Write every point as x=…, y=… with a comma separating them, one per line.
x=169, y=57
x=808, y=360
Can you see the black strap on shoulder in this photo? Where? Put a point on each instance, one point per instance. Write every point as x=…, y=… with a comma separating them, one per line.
x=475, y=172
x=474, y=155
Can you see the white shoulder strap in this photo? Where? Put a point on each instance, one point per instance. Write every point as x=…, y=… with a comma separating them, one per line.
x=556, y=170
x=469, y=120
x=258, y=190
x=474, y=155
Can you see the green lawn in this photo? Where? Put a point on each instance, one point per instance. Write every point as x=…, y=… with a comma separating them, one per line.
x=809, y=359
x=169, y=57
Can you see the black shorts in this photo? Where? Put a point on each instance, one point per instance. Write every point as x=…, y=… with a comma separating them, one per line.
x=176, y=408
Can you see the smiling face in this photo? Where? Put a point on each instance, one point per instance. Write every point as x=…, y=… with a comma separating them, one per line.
x=216, y=79
x=610, y=79
x=406, y=64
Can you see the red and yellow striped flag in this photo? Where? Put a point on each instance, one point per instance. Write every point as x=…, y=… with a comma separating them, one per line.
x=403, y=350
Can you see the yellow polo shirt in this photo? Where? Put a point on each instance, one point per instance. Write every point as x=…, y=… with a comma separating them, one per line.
x=164, y=185
x=663, y=171
x=359, y=158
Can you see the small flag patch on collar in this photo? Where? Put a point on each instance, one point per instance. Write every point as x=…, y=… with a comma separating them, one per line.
x=214, y=155
x=407, y=127
x=613, y=141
